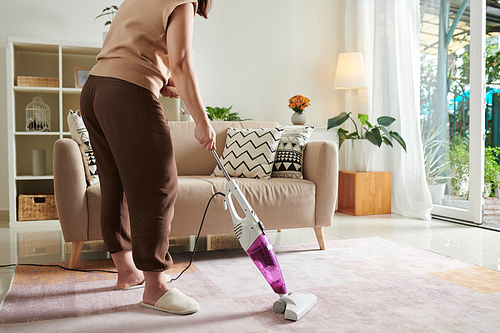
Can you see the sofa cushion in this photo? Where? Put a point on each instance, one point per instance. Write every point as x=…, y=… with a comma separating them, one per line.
x=280, y=203
x=250, y=153
x=290, y=153
x=80, y=134
x=192, y=199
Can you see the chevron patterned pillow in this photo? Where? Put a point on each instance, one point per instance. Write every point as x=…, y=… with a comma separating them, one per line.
x=81, y=136
x=288, y=160
x=250, y=153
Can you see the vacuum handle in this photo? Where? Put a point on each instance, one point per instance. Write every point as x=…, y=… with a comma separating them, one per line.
x=221, y=166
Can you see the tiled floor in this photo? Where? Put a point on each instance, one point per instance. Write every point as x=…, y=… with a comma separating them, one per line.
x=476, y=245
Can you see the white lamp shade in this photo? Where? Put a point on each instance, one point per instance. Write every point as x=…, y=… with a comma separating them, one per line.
x=350, y=71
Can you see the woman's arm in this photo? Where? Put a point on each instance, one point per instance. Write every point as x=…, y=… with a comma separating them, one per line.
x=179, y=47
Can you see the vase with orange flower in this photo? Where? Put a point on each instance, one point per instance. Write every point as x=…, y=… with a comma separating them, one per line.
x=298, y=104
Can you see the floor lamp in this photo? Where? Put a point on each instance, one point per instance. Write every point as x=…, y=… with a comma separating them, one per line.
x=350, y=75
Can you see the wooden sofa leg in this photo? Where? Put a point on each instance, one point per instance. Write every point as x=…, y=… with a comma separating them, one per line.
x=320, y=235
x=76, y=251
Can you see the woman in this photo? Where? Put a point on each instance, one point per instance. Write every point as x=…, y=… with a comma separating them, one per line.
x=147, y=48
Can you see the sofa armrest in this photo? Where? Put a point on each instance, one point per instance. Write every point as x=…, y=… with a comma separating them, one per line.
x=321, y=166
x=70, y=190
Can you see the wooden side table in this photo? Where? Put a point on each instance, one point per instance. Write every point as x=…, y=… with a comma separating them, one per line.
x=364, y=193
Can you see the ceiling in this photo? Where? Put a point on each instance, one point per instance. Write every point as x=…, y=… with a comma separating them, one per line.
x=429, y=24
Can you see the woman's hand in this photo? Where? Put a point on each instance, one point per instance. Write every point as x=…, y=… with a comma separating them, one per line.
x=205, y=135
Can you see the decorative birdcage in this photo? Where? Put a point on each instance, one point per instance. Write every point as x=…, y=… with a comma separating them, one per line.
x=37, y=116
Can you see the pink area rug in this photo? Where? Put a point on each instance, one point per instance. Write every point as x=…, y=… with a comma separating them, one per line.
x=362, y=285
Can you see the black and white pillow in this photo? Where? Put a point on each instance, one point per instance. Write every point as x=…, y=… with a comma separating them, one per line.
x=81, y=136
x=289, y=157
x=250, y=153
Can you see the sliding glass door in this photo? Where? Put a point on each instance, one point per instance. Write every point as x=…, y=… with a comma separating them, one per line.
x=453, y=105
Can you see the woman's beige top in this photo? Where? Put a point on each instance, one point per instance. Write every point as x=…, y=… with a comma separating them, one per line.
x=135, y=48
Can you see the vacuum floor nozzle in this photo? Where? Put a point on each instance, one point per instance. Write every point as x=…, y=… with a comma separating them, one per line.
x=295, y=305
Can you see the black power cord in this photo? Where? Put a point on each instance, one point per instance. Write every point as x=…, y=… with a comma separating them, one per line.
x=113, y=272
x=65, y=268
x=198, y=236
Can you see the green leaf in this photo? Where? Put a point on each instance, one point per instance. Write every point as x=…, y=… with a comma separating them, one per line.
x=399, y=139
x=353, y=135
x=342, y=136
x=342, y=131
x=374, y=137
x=338, y=120
x=363, y=118
x=387, y=141
x=385, y=120
x=369, y=125
x=386, y=132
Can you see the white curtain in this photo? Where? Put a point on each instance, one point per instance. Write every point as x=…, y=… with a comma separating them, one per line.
x=388, y=35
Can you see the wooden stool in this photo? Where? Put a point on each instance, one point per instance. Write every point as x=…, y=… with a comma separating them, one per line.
x=364, y=193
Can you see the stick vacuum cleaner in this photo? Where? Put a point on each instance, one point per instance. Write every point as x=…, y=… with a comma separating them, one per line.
x=252, y=236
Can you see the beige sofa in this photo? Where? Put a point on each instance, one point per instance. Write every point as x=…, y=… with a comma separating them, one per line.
x=280, y=203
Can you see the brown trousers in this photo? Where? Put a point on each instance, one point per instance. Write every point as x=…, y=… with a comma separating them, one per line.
x=135, y=161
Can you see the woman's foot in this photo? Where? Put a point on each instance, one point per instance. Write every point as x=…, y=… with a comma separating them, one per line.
x=158, y=296
x=156, y=287
x=128, y=274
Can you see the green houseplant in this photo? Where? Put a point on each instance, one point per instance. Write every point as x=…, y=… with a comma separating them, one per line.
x=459, y=164
x=366, y=136
x=491, y=170
x=110, y=12
x=376, y=134
x=223, y=114
x=436, y=164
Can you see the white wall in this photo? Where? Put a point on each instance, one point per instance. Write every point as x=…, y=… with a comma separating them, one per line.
x=253, y=55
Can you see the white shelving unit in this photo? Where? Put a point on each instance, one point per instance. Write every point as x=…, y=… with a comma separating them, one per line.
x=39, y=58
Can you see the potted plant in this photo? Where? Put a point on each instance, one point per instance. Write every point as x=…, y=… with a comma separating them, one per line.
x=366, y=136
x=459, y=165
x=491, y=171
x=298, y=104
x=110, y=13
x=436, y=165
x=223, y=114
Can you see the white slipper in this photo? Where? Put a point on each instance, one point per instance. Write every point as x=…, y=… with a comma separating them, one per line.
x=174, y=301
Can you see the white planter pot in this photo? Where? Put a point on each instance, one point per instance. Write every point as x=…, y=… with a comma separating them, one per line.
x=299, y=119
x=497, y=193
x=437, y=193
x=363, y=155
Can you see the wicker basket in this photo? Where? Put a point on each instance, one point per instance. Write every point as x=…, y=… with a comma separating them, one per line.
x=36, y=81
x=37, y=207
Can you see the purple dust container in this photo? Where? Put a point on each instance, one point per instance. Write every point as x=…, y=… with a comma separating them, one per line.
x=263, y=256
